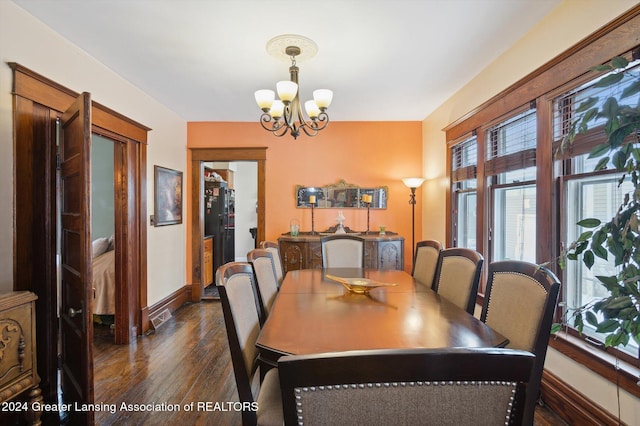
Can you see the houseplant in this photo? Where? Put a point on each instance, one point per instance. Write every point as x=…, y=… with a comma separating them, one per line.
x=616, y=316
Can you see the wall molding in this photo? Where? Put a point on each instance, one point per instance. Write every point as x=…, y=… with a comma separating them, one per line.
x=571, y=405
x=172, y=302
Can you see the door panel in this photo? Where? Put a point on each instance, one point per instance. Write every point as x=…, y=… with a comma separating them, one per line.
x=76, y=328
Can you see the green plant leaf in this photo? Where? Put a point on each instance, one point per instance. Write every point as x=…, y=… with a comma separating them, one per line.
x=585, y=236
x=610, y=111
x=591, y=318
x=599, y=150
x=586, y=104
x=588, y=259
x=600, y=251
x=631, y=89
x=602, y=164
x=619, y=159
x=607, y=326
x=589, y=223
x=619, y=62
x=609, y=80
x=556, y=328
x=603, y=67
x=619, y=303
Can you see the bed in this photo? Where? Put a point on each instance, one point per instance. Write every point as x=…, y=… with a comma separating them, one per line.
x=104, y=275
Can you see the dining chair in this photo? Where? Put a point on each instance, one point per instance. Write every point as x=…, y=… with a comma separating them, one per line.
x=273, y=247
x=267, y=282
x=425, y=261
x=448, y=386
x=342, y=251
x=458, y=275
x=519, y=303
x=235, y=282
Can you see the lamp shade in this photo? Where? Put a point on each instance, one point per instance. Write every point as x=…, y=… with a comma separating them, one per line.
x=413, y=182
x=312, y=109
x=287, y=90
x=264, y=98
x=322, y=97
x=277, y=109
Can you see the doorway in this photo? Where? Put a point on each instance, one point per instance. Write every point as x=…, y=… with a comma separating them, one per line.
x=38, y=104
x=198, y=158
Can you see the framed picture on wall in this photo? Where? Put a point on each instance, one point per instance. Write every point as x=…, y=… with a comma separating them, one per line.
x=167, y=196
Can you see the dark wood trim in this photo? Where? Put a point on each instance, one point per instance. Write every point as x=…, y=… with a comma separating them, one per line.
x=615, y=38
x=38, y=102
x=41, y=90
x=172, y=302
x=199, y=155
x=571, y=405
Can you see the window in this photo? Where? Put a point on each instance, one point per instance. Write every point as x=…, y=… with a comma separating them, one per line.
x=510, y=163
x=587, y=194
x=464, y=160
x=520, y=180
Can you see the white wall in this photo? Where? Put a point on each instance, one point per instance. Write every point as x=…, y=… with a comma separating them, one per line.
x=567, y=24
x=25, y=40
x=246, y=185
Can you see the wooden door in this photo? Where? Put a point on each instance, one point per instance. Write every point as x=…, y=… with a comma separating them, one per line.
x=76, y=327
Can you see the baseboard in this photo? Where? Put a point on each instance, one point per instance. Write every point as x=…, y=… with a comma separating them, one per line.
x=172, y=302
x=571, y=405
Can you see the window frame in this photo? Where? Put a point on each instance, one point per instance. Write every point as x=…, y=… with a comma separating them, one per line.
x=554, y=77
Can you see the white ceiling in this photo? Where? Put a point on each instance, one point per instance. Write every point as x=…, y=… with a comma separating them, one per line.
x=384, y=59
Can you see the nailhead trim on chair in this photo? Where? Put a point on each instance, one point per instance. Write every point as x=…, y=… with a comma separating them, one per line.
x=299, y=391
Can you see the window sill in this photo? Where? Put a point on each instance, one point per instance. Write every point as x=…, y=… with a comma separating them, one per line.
x=599, y=361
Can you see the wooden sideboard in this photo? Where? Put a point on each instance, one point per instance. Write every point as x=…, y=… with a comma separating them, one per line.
x=18, y=369
x=304, y=251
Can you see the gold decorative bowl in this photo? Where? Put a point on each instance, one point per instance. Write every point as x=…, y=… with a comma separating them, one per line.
x=359, y=285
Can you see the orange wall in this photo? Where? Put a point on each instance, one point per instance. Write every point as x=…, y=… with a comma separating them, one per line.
x=361, y=153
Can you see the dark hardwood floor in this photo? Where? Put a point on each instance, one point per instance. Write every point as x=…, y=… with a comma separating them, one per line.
x=185, y=361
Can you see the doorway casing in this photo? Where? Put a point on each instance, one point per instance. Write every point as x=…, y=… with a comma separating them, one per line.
x=198, y=157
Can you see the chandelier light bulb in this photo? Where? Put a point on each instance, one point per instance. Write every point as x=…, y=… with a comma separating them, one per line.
x=312, y=109
x=287, y=90
x=277, y=109
x=264, y=99
x=323, y=98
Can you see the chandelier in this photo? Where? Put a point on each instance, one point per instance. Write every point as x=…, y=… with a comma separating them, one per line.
x=284, y=115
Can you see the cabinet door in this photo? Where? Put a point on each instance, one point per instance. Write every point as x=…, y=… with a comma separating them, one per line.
x=390, y=255
x=293, y=255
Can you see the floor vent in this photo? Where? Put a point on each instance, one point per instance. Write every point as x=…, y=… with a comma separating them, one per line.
x=160, y=319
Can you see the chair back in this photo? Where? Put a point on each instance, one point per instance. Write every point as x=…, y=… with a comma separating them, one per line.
x=235, y=282
x=342, y=251
x=458, y=276
x=265, y=272
x=425, y=261
x=519, y=303
x=274, y=249
x=452, y=386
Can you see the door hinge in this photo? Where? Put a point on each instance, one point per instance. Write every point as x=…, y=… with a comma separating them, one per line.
x=58, y=161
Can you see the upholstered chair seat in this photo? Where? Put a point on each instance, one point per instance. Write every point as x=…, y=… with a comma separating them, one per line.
x=458, y=276
x=342, y=251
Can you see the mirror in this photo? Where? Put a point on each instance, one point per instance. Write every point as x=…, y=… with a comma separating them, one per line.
x=341, y=195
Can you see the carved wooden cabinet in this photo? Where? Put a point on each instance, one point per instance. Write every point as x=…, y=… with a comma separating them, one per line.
x=304, y=251
x=18, y=370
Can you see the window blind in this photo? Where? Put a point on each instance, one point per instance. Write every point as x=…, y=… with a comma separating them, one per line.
x=464, y=158
x=567, y=105
x=511, y=144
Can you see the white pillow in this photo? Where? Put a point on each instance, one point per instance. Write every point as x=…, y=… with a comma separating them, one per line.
x=99, y=246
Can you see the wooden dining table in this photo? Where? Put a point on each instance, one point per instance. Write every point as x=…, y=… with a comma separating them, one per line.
x=315, y=314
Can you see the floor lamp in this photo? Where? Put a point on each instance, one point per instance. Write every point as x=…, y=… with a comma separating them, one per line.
x=412, y=184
